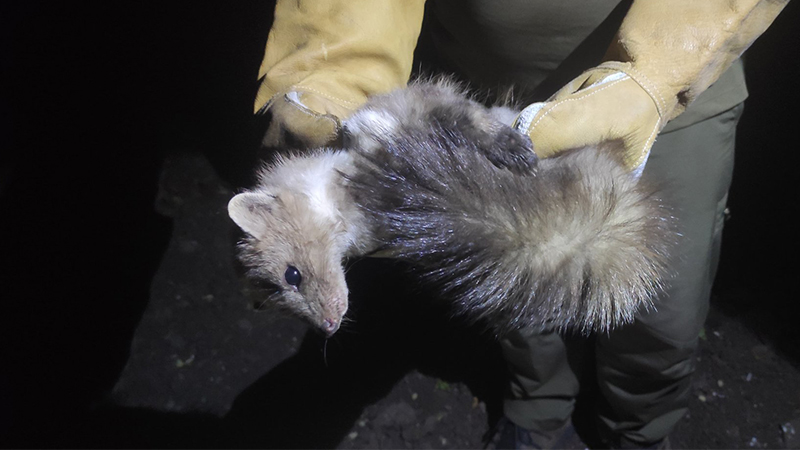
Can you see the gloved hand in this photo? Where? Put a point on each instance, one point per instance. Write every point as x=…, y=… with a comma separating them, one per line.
x=324, y=58
x=664, y=55
x=296, y=123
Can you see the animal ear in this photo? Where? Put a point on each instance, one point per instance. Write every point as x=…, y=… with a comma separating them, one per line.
x=248, y=210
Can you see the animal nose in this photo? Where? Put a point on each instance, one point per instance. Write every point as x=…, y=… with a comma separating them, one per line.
x=329, y=327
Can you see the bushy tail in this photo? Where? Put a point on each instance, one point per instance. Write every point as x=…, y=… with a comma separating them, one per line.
x=580, y=243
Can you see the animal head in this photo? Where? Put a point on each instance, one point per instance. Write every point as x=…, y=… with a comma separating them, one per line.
x=294, y=251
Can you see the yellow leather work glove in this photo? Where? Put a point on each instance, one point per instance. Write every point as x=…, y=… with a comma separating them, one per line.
x=664, y=55
x=294, y=124
x=325, y=57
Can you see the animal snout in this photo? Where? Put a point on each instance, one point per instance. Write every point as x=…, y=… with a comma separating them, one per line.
x=333, y=313
x=330, y=326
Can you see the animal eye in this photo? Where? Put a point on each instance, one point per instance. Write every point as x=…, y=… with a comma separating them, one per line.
x=292, y=276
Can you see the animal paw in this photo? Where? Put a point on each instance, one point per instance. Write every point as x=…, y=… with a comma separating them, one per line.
x=509, y=149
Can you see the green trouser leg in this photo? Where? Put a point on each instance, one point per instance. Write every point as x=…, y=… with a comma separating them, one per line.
x=543, y=384
x=643, y=369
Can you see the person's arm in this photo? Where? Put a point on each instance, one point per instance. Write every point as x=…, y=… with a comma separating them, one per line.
x=325, y=57
x=665, y=54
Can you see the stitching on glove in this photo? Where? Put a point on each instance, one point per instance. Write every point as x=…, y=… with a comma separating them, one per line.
x=644, y=82
x=341, y=101
x=584, y=95
x=645, y=151
x=522, y=123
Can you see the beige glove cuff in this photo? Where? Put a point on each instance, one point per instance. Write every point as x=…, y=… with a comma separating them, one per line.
x=335, y=53
x=683, y=46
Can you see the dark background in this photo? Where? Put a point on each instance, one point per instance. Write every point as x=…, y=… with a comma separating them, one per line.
x=95, y=95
